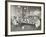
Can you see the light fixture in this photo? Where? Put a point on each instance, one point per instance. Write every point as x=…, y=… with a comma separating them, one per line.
x=24, y=8
x=19, y=6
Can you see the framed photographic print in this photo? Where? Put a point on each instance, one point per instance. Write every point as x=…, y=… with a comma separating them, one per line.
x=25, y=18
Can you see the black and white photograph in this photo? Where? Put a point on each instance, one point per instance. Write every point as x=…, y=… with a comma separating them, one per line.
x=25, y=18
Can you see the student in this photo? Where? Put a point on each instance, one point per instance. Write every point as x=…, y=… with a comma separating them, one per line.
x=14, y=20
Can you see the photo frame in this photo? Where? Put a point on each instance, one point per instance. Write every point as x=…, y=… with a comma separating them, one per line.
x=24, y=18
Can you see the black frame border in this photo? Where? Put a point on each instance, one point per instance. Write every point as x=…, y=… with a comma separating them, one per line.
x=6, y=18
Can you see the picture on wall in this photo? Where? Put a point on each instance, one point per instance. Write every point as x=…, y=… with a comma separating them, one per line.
x=25, y=18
